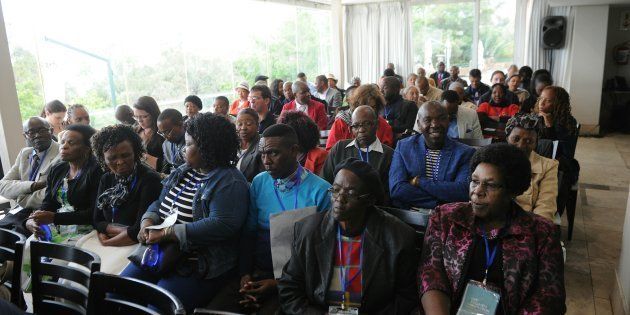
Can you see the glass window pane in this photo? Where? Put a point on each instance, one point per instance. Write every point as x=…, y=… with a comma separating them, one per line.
x=496, y=36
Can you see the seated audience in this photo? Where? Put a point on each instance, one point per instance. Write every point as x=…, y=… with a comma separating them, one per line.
x=146, y=112
x=170, y=125
x=332, y=83
x=454, y=77
x=311, y=87
x=539, y=83
x=71, y=189
x=513, y=84
x=304, y=103
x=364, y=146
x=465, y=102
x=356, y=82
x=242, y=90
x=210, y=198
x=498, y=77
x=193, y=105
x=288, y=94
x=522, y=131
x=525, y=266
x=526, y=77
x=25, y=182
x=277, y=97
x=421, y=72
x=77, y=114
x=367, y=94
x=399, y=113
x=439, y=75
x=354, y=256
x=512, y=70
x=260, y=98
x=311, y=156
x=261, y=79
x=554, y=106
x=220, y=108
x=476, y=88
x=497, y=108
x=391, y=68
x=247, y=126
x=285, y=186
x=124, y=115
x=427, y=92
x=324, y=92
x=411, y=79
x=125, y=192
x=54, y=112
x=463, y=122
x=411, y=94
x=429, y=169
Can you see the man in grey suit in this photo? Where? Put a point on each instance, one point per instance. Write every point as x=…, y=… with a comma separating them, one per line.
x=331, y=96
x=25, y=182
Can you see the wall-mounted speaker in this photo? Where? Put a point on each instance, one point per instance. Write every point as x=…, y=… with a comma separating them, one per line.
x=553, y=32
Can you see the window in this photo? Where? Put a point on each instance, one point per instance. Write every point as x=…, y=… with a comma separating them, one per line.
x=445, y=32
x=64, y=50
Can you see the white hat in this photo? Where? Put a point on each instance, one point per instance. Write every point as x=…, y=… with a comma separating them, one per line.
x=331, y=76
x=242, y=85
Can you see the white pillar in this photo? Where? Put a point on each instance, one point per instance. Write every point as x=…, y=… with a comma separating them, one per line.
x=11, y=140
x=336, y=36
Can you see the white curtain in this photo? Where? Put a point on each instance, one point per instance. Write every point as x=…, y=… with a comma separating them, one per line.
x=520, y=31
x=561, y=58
x=535, y=55
x=376, y=34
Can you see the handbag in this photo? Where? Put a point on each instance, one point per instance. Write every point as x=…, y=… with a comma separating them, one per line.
x=159, y=259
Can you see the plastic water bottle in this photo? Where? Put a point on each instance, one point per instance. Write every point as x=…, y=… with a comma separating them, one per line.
x=151, y=257
x=47, y=233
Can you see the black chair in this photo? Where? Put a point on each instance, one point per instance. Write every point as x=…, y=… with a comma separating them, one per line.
x=205, y=311
x=111, y=294
x=50, y=294
x=418, y=219
x=11, y=248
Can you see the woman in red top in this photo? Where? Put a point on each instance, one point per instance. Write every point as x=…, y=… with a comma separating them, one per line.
x=367, y=94
x=498, y=105
x=243, y=92
x=311, y=156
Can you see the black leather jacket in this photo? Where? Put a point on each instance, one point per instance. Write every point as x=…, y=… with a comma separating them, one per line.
x=389, y=269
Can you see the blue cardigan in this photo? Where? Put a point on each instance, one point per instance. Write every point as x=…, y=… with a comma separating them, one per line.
x=408, y=162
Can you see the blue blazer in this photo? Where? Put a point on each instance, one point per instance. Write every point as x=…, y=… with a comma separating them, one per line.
x=408, y=162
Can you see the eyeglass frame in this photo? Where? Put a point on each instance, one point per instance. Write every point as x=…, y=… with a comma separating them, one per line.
x=32, y=134
x=356, y=197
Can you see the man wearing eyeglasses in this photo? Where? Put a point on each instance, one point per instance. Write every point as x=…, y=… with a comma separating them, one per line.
x=170, y=126
x=26, y=180
x=365, y=146
x=430, y=169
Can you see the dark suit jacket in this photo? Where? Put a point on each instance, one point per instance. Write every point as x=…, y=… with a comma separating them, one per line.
x=401, y=114
x=434, y=76
x=251, y=164
x=389, y=266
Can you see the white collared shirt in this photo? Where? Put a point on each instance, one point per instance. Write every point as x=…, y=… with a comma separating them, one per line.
x=300, y=107
x=375, y=146
x=322, y=95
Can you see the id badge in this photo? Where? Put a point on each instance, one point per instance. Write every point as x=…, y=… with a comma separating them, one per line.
x=337, y=310
x=479, y=299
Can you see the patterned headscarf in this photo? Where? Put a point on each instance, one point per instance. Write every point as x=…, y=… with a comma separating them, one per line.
x=531, y=122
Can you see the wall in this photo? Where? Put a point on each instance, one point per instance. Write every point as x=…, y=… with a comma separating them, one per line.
x=619, y=298
x=615, y=37
x=587, y=66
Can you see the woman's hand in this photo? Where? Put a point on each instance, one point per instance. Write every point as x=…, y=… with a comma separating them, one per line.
x=114, y=229
x=157, y=236
x=103, y=238
x=43, y=217
x=547, y=117
x=32, y=226
x=122, y=239
x=144, y=233
x=256, y=291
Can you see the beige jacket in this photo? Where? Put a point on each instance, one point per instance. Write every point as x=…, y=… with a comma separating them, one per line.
x=433, y=94
x=541, y=195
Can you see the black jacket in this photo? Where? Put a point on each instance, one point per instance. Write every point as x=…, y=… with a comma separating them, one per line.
x=400, y=114
x=389, y=269
x=251, y=164
x=81, y=192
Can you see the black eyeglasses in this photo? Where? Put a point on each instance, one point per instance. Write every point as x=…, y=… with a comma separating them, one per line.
x=165, y=133
x=336, y=193
x=365, y=124
x=32, y=133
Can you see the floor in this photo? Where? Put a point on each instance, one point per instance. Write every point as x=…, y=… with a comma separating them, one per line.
x=593, y=253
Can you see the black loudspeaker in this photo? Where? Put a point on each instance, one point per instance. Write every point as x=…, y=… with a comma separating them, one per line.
x=553, y=32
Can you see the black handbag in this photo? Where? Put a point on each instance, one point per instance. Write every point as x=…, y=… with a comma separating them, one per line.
x=161, y=262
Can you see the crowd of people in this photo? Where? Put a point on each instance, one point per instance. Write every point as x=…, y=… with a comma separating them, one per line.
x=219, y=176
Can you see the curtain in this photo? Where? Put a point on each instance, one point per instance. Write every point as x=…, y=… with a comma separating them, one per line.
x=561, y=58
x=376, y=34
x=520, y=31
x=535, y=55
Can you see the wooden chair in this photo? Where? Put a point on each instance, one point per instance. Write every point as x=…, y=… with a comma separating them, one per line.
x=11, y=248
x=111, y=294
x=59, y=285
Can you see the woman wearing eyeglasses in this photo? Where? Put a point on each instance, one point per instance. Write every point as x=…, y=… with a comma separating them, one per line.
x=353, y=257
x=490, y=249
x=146, y=112
x=249, y=162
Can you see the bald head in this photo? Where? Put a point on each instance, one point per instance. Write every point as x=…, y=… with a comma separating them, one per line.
x=433, y=123
x=301, y=91
x=364, y=111
x=124, y=114
x=35, y=121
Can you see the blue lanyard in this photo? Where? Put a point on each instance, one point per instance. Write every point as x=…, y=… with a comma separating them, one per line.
x=490, y=255
x=297, y=190
x=33, y=174
x=386, y=111
x=173, y=152
x=342, y=270
x=133, y=184
x=367, y=155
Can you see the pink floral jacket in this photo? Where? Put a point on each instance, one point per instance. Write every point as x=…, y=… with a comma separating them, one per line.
x=533, y=270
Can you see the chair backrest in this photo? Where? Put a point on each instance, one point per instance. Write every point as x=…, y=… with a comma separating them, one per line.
x=59, y=277
x=323, y=137
x=11, y=248
x=111, y=294
x=417, y=219
x=476, y=143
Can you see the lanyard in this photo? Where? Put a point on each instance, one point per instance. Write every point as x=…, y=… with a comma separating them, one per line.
x=34, y=172
x=367, y=155
x=173, y=152
x=298, y=179
x=386, y=111
x=342, y=270
x=133, y=184
x=179, y=193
